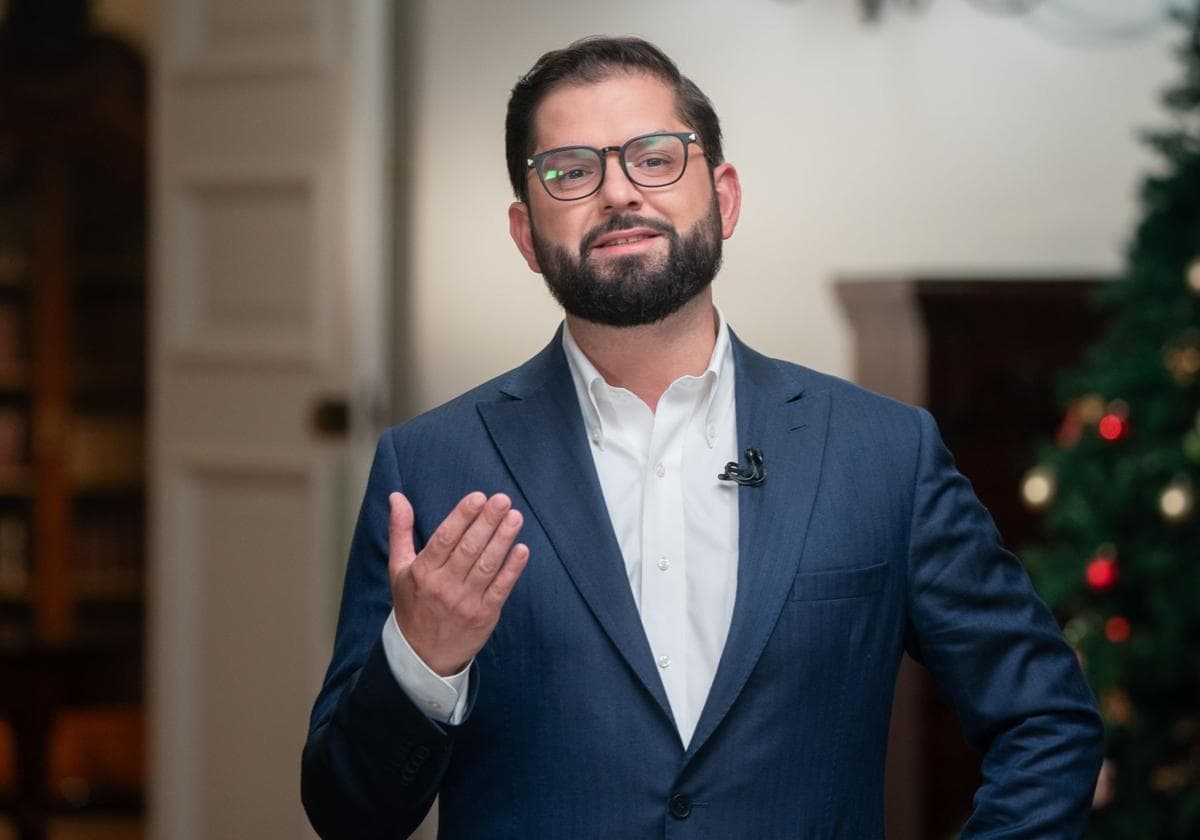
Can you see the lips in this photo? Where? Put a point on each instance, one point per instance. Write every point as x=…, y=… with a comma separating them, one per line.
x=622, y=240
x=629, y=239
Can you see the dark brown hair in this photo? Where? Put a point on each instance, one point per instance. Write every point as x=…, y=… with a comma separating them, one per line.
x=592, y=60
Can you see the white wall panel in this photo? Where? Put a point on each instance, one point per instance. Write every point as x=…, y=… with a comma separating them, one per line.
x=250, y=253
x=235, y=37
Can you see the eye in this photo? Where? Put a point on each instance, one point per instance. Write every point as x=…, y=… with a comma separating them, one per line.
x=657, y=156
x=575, y=174
x=570, y=169
x=653, y=161
x=651, y=157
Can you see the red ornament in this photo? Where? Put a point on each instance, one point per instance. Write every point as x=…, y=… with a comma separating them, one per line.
x=1113, y=427
x=1101, y=572
x=1117, y=629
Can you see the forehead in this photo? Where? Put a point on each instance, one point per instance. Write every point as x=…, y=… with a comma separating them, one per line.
x=605, y=113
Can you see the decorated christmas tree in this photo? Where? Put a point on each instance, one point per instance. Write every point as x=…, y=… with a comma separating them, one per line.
x=1120, y=559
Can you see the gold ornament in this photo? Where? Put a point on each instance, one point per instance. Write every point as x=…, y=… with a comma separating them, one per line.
x=1171, y=778
x=1091, y=408
x=1182, y=363
x=1176, y=501
x=1116, y=706
x=1038, y=488
x=1193, y=276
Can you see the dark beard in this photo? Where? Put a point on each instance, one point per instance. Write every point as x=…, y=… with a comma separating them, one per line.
x=636, y=292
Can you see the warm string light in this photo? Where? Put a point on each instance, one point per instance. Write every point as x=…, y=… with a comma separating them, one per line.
x=1038, y=488
x=1176, y=501
x=1193, y=276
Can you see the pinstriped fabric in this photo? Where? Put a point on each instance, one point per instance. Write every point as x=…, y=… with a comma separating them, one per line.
x=863, y=542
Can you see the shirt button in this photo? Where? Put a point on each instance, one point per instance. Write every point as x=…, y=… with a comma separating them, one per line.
x=596, y=435
x=711, y=431
x=660, y=470
x=433, y=704
x=663, y=564
x=664, y=662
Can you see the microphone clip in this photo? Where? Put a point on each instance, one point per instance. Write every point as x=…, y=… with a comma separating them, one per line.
x=751, y=476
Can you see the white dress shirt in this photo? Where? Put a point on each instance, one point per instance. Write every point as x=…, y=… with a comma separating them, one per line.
x=675, y=522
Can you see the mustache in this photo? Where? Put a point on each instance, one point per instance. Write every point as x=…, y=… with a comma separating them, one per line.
x=623, y=222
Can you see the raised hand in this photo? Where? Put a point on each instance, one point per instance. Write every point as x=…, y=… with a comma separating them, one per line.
x=448, y=597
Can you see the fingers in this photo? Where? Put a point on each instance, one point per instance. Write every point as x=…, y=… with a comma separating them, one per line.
x=501, y=586
x=492, y=557
x=448, y=597
x=448, y=534
x=400, y=542
x=478, y=537
x=478, y=528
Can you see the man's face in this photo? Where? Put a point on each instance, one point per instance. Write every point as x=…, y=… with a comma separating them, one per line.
x=626, y=255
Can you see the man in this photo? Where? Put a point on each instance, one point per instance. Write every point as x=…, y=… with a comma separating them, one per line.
x=675, y=647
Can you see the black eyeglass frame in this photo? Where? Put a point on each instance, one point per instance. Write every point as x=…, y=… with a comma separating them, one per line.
x=687, y=137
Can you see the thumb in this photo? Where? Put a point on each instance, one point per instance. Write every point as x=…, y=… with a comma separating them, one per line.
x=400, y=539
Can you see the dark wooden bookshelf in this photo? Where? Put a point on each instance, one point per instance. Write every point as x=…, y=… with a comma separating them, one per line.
x=72, y=405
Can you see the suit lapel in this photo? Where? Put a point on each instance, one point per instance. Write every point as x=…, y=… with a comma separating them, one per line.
x=540, y=435
x=775, y=413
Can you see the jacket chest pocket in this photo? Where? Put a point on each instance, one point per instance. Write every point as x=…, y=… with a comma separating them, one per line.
x=839, y=583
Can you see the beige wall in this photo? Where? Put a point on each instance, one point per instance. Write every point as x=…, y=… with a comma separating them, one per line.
x=132, y=19
x=948, y=140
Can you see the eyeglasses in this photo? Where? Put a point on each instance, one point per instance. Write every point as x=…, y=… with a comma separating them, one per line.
x=570, y=173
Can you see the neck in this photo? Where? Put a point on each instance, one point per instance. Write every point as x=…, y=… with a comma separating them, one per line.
x=648, y=358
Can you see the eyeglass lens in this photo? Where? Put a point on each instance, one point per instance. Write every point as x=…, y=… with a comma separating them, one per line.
x=653, y=161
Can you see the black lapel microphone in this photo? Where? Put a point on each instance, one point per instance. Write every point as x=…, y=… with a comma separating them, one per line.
x=751, y=476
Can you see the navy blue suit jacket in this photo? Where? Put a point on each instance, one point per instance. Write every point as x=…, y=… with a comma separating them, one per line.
x=864, y=542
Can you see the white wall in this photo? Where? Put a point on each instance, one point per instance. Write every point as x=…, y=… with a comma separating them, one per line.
x=948, y=140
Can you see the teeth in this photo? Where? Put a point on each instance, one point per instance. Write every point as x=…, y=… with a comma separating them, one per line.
x=626, y=241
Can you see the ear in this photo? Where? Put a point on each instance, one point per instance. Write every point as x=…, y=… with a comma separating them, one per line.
x=729, y=197
x=520, y=228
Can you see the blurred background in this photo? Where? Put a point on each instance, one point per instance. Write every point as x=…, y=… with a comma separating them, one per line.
x=240, y=237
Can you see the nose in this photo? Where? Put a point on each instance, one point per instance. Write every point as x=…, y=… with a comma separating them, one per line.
x=617, y=191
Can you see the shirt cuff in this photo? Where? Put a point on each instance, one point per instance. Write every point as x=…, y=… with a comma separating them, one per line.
x=443, y=699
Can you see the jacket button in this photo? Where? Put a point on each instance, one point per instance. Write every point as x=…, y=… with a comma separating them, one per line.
x=680, y=806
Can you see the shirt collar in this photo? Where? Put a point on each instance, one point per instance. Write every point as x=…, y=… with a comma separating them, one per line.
x=717, y=380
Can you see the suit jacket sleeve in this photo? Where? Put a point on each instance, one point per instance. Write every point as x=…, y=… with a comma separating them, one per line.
x=995, y=652
x=373, y=762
